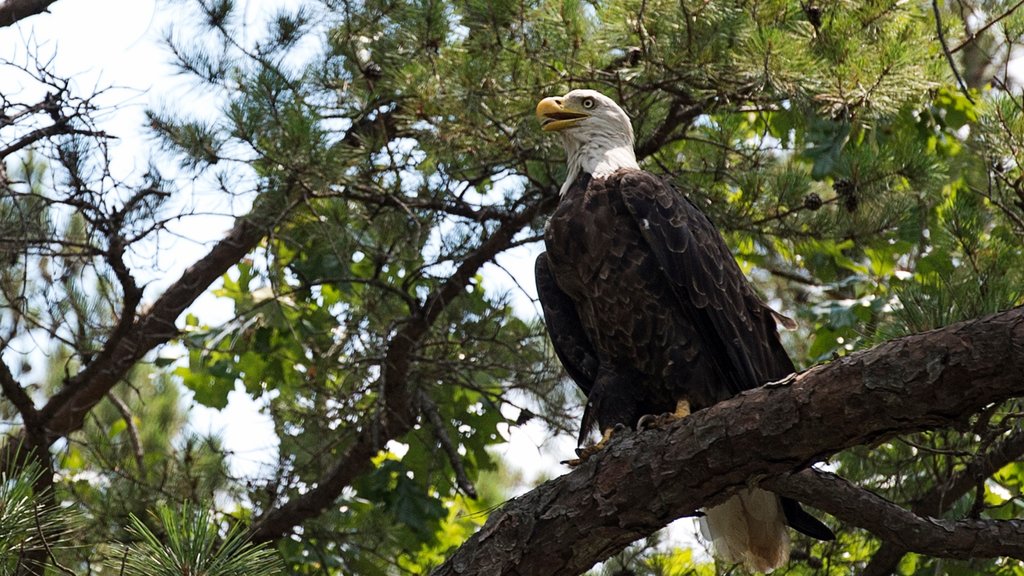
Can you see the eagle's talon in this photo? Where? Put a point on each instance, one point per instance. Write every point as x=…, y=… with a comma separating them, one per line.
x=583, y=454
x=654, y=421
x=651, y=421
x=646, y=422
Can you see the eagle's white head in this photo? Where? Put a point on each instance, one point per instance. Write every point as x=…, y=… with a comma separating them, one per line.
x=596, y=133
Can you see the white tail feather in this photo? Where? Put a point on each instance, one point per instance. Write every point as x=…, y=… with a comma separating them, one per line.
x=750, y=528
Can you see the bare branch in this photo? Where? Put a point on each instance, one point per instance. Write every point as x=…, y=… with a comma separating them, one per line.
x=946, y=51
x=46, y=545
x=643, y=481
x=133, y=432
x=66, y=410
x=56, y=129
x=922, y=534
x=974, y=34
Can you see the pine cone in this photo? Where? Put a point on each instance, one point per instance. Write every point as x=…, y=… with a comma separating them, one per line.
x=812, y=201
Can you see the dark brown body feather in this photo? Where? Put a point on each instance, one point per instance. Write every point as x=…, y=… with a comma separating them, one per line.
x=645, y=306
x=645, y=303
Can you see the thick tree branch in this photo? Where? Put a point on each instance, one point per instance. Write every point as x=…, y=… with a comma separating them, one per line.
x=12, y=11
x=60, y=128
x=894, y=524
x=643, y=481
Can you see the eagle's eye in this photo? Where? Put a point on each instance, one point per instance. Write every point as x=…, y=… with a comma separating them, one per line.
x=588, y=103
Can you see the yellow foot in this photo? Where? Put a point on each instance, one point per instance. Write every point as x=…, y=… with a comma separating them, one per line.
x=650, y=421
x=583, y=454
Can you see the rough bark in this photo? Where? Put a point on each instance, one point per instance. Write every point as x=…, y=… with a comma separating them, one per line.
x=12, y=11
x=925, y=535
x=643, y=481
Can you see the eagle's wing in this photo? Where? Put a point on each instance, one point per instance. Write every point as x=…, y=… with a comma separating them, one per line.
x=739, y=330
x=714, y=294
x=572, y=346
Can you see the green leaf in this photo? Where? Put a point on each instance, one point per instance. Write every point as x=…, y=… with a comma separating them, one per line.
x=208, y=390
x=827, y=141
x=957, y=110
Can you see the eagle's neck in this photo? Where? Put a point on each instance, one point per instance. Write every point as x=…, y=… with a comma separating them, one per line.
x=598, y=156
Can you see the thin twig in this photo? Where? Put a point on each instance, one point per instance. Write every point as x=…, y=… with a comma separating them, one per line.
x=46, y=545
x=949, y=55
x=789, y=211
x=133, y=432
x=437, y=423
x=974, y=35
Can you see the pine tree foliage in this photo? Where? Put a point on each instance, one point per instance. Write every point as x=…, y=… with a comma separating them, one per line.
x=29, y=519
x=192, y=543
x=863, y=159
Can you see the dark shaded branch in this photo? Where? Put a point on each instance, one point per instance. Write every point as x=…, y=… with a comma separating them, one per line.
x=131, y=297
x=678, y=115
x=949, y=55
x=60, y=128
x=453, y=206
x=643, y=481
x=398, y=413
x=12, y=11
x=18, y=396
x=382, y=123
x=961, y=539
x=440, y=432
x=942, y=496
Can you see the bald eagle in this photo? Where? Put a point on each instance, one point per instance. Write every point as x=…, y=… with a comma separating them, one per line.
x=650, y=314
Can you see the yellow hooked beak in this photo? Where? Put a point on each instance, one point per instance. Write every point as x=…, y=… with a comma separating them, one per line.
x=554, y=116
